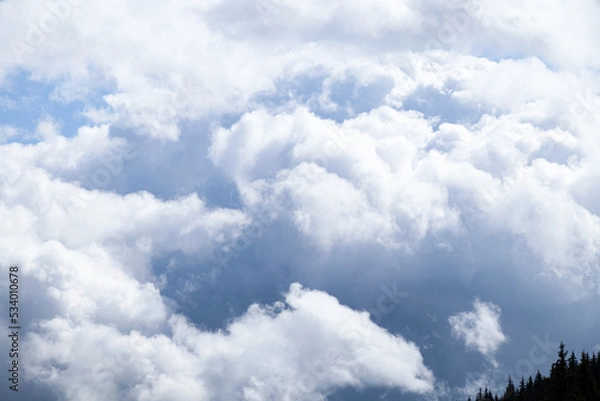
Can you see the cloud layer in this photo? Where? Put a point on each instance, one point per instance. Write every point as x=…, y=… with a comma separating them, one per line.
x=158, y=161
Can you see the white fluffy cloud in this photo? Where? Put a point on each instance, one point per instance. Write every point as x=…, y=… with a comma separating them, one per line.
x=78, y=217
x=300, y=350
x=86, y=256
x=415, y=126
x=87, y=251
x=225, y=55
x=357, y=181
x=389, y=177
x=563, y=35
x=480, y=329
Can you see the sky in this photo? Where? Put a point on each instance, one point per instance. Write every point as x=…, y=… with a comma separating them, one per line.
x=278, y=200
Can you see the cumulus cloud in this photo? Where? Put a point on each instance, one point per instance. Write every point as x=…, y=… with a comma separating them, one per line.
x=559, y=34
x=432, y=130
x=390, y=177
x=76, y=217
x=480, y=329
x=300, y=350
x=86, y=253
x=360, y=173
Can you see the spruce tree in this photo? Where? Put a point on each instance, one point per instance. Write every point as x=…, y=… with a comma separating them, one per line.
x=522, y=386
x=587, y=383
x=509, y=393
x=569, y=380
x=558, y=376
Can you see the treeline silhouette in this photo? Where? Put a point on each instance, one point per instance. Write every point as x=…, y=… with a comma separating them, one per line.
x=570, y=379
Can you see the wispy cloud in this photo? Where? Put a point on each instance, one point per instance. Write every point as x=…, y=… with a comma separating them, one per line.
x=480, y=329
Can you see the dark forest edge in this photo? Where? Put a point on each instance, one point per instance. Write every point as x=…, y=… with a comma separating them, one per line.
x=570, y=379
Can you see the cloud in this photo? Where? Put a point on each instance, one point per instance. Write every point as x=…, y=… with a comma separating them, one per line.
x=85, y=254
x=359, y=174
x=565, y=44
x=389, y=177
x=422, y=135
x=8, y=132
x=480, y=329
x=77, y=217
x=299, y=350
